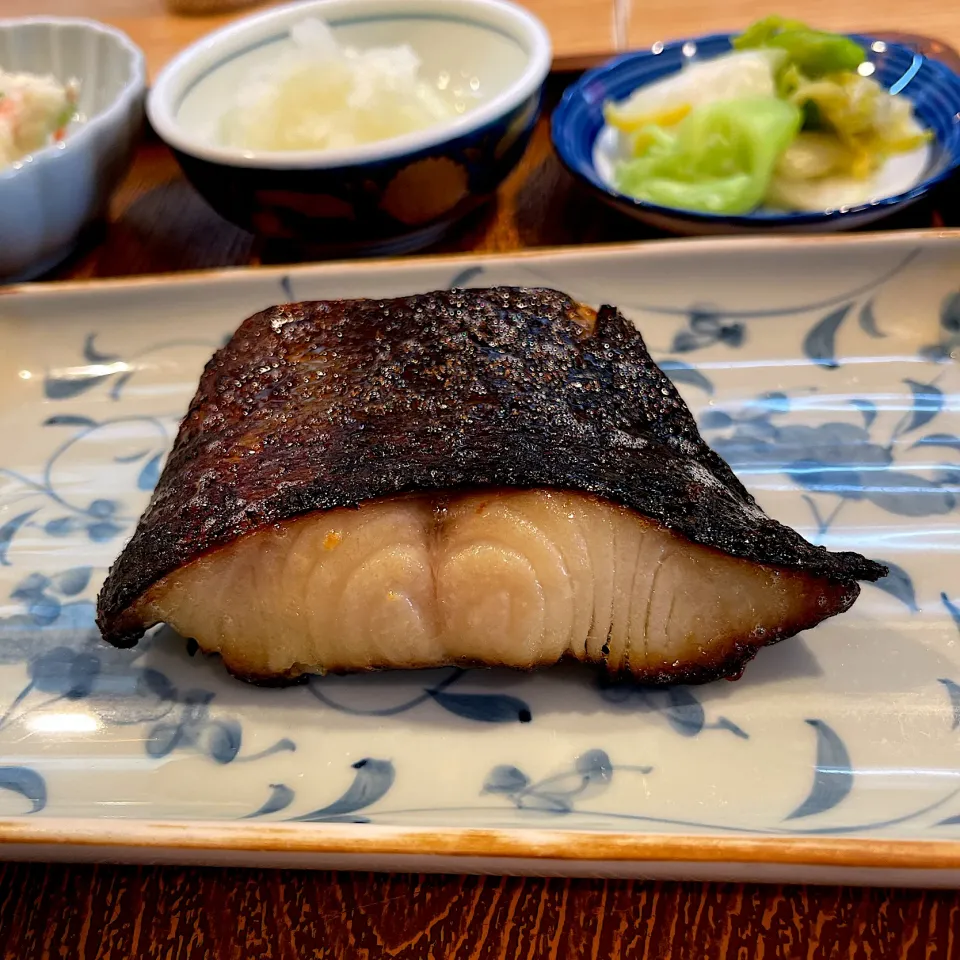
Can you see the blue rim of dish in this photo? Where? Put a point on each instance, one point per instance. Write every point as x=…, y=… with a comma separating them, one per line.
x=578, y=120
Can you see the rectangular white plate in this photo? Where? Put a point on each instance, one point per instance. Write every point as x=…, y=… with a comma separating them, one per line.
x=820, y=368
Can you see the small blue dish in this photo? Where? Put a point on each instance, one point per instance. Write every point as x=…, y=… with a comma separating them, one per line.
x=578, y=122
x=390, y=196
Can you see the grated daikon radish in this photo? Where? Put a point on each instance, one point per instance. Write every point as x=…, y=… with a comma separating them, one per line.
x=321, y=96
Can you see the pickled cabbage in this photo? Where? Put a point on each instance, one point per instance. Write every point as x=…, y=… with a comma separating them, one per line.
x=868, y=121
x=719, y=159
x=668, y=101
x=813, y=52
x=712, y=138
x=325, y=97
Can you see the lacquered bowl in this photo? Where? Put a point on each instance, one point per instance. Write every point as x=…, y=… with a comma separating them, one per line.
x=390, y=196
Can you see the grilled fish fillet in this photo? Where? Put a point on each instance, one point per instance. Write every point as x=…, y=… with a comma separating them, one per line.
x=497, y=477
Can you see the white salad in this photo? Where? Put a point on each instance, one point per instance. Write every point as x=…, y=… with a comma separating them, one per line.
x=34, y=112
x=791, y=119
x=321, y=96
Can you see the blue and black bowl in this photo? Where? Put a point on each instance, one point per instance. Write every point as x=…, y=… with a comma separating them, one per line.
x=386, y=197
x=582, y=139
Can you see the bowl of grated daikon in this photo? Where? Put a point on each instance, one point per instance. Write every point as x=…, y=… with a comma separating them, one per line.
x=356, y=126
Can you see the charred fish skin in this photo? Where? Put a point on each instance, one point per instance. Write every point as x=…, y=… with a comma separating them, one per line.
x=327, y=404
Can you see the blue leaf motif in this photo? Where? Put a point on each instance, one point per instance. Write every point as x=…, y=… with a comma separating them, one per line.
x=220, y=740
x=899, y=584
x=287, y=287
x=465, y=276
x=953, y=692
x=8, y=531
x=947, y=475
x=505, y=779
x=28, y=783
x=163, y=739
x=484, y=707
x=594, y=766
x=373, y=780
x=102, y=508
x=950, y=313
x=733, y=334
x=947, y=440
x=704, y=321
x=44, y=610
x=31, y=587
x=686, y=341
x=715, y=420
x=927, y=403
x=591, y=774
x=680, y=372
x=281, y=796
x=949, y=821
x=72, y=581
x=952, y=608
x=909, y=496
x=680, y=706
x=62, y=526
x=722, y=723
x=832, y=777
x=934, y=353
x=65, y=388
x=117, y=389
x=820, y=343
x=103, y=531
x=868, y=409
x=150, y=473
x=868, y=322
x=69, y=673
x=92, y=355
x=157, y=683
x=685, y=713
x=69, y=420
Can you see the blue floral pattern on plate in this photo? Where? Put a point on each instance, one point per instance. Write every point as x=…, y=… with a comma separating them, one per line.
x=838, y=408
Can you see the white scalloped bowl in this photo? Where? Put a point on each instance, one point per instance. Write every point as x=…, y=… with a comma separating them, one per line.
x=387, y=197
x=48, y=197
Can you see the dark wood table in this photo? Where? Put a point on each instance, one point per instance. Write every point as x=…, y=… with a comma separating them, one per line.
x=158, y=224
x=126, y=913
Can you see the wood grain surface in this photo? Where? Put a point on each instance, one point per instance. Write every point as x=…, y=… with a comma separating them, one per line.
x=581, y=30
x=113, y=913
x=157, y=224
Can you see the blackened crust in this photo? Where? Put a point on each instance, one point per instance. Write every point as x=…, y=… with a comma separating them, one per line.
x=312, y=406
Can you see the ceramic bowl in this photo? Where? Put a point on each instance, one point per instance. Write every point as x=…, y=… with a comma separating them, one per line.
x=48, y=197
x=589, y=148
x=389, y=196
